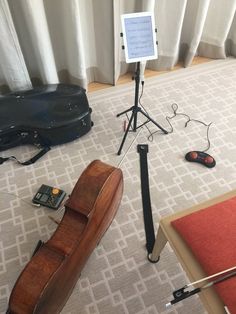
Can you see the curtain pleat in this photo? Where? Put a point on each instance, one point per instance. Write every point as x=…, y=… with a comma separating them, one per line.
x=37, y=24
x=14, y=73
x=72, y=66
x=104, y=36
x=169, y=21
x=32, y=17
x=231, y=41
x=216, y=28
x=194, y=21
x=78, y=41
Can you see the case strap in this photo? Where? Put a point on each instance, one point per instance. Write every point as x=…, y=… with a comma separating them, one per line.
x=32, y=160
x=146, y=202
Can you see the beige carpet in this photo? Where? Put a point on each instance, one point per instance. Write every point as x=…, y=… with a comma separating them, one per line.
x=118, y=278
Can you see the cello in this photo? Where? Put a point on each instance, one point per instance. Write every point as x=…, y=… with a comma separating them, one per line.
x=48, y=279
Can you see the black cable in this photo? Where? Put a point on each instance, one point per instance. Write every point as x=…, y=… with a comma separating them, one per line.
x=175, y=108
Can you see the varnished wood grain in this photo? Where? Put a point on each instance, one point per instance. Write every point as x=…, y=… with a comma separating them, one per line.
x=48, y=279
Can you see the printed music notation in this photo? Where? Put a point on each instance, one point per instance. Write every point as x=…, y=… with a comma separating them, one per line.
x=139, y=37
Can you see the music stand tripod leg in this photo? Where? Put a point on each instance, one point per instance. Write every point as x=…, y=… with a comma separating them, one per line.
x=123, y=112
x=153, y=121
x=126, y=133
x=135, y=109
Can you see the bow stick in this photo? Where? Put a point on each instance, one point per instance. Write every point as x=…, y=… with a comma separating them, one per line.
x=182, y=293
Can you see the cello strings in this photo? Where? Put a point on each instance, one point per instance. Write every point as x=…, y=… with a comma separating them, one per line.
x=20, y=198
x=128, y=149
x=53, y=217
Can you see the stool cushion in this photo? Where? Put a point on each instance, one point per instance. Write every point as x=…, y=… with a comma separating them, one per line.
x=211, y=235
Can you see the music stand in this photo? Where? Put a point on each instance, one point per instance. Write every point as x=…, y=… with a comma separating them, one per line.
x=140, y=45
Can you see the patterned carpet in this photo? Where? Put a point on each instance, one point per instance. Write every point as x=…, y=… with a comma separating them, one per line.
x=118, y=278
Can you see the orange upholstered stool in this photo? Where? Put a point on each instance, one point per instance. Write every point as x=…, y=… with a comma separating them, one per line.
x=203, y=238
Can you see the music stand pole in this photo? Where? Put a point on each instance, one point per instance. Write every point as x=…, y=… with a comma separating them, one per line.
x=137, y=83
x=135, y=109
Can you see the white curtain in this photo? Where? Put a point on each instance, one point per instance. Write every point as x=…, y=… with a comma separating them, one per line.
x=78, y=41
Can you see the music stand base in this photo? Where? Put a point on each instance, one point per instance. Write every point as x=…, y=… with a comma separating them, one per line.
x=135, y=111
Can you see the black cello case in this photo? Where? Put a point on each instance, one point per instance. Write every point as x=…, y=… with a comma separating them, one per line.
x=44, y=116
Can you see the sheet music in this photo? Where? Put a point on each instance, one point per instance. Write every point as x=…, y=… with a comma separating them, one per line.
x=139, y=36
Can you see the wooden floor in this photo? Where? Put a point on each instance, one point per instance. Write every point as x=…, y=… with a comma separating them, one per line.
x=148, y=73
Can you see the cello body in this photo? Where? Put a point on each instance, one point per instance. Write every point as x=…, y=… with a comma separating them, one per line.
x=47, y=281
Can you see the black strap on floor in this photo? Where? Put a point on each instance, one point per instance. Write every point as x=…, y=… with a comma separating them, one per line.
x=146, y=201
x=32, y=160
